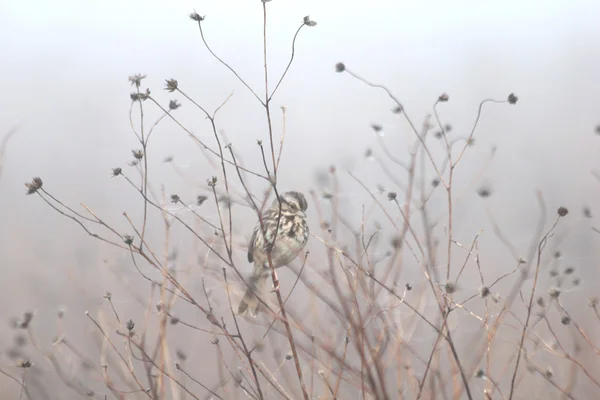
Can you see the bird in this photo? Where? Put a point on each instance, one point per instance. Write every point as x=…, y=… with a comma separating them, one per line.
x=287, y=217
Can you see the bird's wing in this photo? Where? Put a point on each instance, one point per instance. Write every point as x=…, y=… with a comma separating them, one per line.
x=251, y=245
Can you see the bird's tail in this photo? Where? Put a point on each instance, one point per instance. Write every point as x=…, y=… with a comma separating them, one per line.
x=250, y=302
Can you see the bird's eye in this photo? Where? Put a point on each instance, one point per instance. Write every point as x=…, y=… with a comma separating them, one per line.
x=293, y=207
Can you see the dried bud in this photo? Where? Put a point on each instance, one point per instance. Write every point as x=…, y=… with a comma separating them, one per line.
x=175, y=199
x=376, y=127
x=593, y=302
x=35, y=185
x=174, y=320
x=565, y=320
x=171, y=85
x=398, y=109
x=512, y=99
x=24, y=364
x=200, y=199
x=116, y=171
x=392, y=196
x=408, y=286
x=443, y=98
x=128, y=239
x=562, y=211
x=435, y=182
x=340, y=67
x=212, y=182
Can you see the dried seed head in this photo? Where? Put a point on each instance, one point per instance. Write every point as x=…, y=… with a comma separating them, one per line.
x=396, y=242
x=484, y=291
x=171, y=85
x=443, y=98
x=569, y=270
x=435, y=182
x=587, y=213
x=35, y=185
x=25, y=320
x=180, y=354
x=174, y=320
x=565, y=320
x=196, y=17
x=200, y=199
x=212, y=182
x=408, y=286
x=392, y=196
x=130, y=325
x=116, y=171
x=553, y=273
x=340, y=67
x=512, y=99
x=175, y=199
x=540, y=302
x=309, y=22
x=376, y=127
x=137, y=154
x=554, y=292
x=562, y=211
x=398, y=109
x=448, y=128
x=576, y=282
x=24, y=364
x=128, y=239
x=557, y=254
x=479, y=373
x=174, y=105
x=136, y=80
x=593, y=302
x=484, y=191
x=450, y=287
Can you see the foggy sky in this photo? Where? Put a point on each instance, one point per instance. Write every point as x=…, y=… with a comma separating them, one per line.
x=64, y=73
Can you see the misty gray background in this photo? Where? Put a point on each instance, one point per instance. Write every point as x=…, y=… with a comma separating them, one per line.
x=64, y=76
